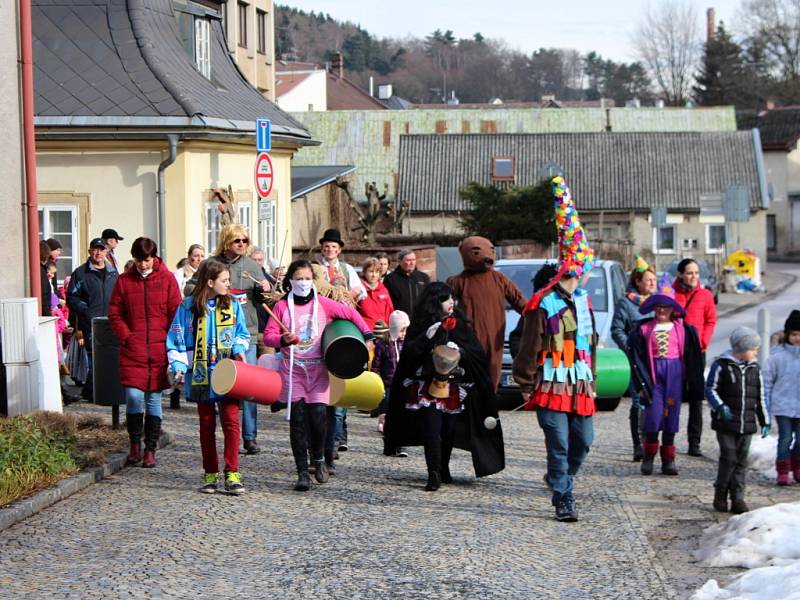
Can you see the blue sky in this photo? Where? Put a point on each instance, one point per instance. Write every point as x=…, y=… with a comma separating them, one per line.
x=602, y=25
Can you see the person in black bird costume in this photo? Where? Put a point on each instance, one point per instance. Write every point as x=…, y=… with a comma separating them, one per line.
x=442, y=393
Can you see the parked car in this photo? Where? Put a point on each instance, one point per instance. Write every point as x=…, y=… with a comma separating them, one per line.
x=708, y=277
x=606, y=286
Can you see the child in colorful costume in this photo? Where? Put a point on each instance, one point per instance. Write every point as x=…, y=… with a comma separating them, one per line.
x=208, y=327
x=666, y=365
x=304, y=315
x=555, y=362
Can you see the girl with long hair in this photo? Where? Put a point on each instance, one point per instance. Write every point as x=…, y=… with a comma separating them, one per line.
x=208, y=327
x=304, y=314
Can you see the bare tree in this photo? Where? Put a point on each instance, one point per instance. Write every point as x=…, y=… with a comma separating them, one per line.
x=775, y=26
x=667, y=40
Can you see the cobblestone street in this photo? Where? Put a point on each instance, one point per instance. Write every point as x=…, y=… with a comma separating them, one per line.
x=372, y=532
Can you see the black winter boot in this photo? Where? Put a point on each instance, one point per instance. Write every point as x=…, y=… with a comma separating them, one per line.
x=329, y=461
x=134, y=423
x=299, y=443
x=446, y=477
x=433, y=459
x=638, y=451
x=720, y=500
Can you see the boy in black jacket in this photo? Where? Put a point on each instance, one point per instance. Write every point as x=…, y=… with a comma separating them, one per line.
x=736, y=393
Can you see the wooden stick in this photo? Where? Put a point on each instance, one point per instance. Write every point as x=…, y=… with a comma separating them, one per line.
x=277, y=320
x=250, y=277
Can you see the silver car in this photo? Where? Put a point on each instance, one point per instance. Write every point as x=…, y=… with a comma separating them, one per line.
x=606, y=286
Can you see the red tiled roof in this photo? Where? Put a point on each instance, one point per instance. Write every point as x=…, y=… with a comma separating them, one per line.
x=285, y=82
x=346, y=95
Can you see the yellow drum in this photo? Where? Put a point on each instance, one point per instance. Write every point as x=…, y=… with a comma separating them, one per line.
x=364, y=392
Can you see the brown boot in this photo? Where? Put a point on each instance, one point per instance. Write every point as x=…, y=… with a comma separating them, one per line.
x=720, y=500
x=738, y=505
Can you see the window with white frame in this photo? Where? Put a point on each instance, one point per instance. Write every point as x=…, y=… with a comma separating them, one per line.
x=715, y=239
x=212, y=226
x=202, y=46
x=268, y=228
x=244, y=210
x=61, y=223
x=665, y=239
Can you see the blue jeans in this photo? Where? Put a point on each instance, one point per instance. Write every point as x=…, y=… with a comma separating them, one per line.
x=336, y=424
x=788, y=427
x=250, y=409
x=568, y=437
x=136, y=401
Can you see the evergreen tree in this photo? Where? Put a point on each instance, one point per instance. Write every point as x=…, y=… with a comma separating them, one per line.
x=724, y=78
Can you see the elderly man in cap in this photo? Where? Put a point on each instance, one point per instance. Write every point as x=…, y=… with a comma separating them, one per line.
x=89, y=294
x=112, y=239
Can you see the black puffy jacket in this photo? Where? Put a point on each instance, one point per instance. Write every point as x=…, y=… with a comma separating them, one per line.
x=738, y=385
x=89, y=294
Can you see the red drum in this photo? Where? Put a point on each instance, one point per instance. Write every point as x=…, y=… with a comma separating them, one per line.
x=241, y=381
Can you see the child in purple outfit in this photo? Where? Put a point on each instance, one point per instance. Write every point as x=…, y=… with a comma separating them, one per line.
x=387, y=353
x=666, y=363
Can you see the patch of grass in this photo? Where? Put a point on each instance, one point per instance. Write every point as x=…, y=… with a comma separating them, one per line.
x=37, y=450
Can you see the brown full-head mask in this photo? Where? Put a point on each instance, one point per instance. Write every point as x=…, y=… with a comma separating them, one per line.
x=477, y=253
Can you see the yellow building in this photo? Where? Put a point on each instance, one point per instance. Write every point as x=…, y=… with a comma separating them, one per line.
x=249, y=30
x=140, y=114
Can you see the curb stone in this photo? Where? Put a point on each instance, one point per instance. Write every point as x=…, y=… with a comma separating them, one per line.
x=22, y=509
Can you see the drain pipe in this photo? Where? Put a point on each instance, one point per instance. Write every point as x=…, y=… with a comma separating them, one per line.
x=161, y=194
x=29, y=143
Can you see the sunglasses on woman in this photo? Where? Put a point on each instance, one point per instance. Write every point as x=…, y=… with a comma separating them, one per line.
x=240, y=241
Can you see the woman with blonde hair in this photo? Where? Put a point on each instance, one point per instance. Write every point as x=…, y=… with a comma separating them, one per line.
x=249, y=289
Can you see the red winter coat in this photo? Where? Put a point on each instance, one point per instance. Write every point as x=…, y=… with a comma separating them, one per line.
x=141, y=312
x=698, y=302
x=377, y=306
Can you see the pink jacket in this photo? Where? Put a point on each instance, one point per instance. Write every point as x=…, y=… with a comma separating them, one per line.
x=328, y=311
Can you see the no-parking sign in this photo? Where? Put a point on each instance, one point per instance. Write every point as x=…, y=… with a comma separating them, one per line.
x=264, y=175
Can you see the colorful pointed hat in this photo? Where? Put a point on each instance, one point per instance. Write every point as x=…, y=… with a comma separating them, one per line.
x=576, y=255
x=640, y=266
x=664, y=296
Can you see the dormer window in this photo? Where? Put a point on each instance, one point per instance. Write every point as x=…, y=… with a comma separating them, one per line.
x=194, y=24
x=502, y=168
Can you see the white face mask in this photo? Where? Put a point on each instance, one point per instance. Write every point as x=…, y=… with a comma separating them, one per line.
x=302, y=287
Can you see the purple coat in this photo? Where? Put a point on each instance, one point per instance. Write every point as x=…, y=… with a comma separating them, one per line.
x=385, y=361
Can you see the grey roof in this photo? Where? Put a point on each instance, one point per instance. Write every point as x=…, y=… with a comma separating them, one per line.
x=308, y=179
x=122, y=63
x=606, y=171
x=779, y=127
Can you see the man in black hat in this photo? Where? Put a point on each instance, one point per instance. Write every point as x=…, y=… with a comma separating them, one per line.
x=112, y=239
x=337, y=272
x=89, y=293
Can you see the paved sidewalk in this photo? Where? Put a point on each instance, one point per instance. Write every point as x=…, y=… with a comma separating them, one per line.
x=774, y=280
x=372, y=532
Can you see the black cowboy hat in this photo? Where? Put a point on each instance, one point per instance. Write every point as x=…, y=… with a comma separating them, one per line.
x=332, y=235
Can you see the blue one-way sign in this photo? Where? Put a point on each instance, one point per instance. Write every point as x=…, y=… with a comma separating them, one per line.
x=263, y=135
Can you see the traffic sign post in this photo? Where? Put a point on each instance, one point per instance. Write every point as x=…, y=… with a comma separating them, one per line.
x=263, y=175
x=263, y=135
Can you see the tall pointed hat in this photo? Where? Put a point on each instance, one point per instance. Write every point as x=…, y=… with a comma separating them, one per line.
x=576, y=255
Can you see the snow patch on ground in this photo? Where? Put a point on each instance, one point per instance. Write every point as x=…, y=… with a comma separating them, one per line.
x=766, y=541
x=762, y=455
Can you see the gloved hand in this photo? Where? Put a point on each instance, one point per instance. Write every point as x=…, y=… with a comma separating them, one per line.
x=724, y=413
x=432, y=330
x=765, y=430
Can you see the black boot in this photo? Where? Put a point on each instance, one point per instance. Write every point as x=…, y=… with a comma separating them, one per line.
x=134, y=423
x=175, y=399
x=152, y=431
x=720, y=500
x=446, y=477
x=638, y=451
x=329, y=461
x=299, y=443
x=316, y=419
x=433, y=459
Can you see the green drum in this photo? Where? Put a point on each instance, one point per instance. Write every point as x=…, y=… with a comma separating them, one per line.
x=344, y=349
x=613, y=373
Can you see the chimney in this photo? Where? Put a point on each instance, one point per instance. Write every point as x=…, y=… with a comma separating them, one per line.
x=711, y=25
x=337, y=64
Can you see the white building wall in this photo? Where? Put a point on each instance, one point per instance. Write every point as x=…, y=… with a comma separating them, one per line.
x=310, y=95
x=13, y=283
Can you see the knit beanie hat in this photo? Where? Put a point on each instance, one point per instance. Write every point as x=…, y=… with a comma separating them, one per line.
x=743, y=339
x=792, y=323
x=397, y=321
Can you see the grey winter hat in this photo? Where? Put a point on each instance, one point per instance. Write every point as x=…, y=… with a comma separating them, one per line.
x=743, y=339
